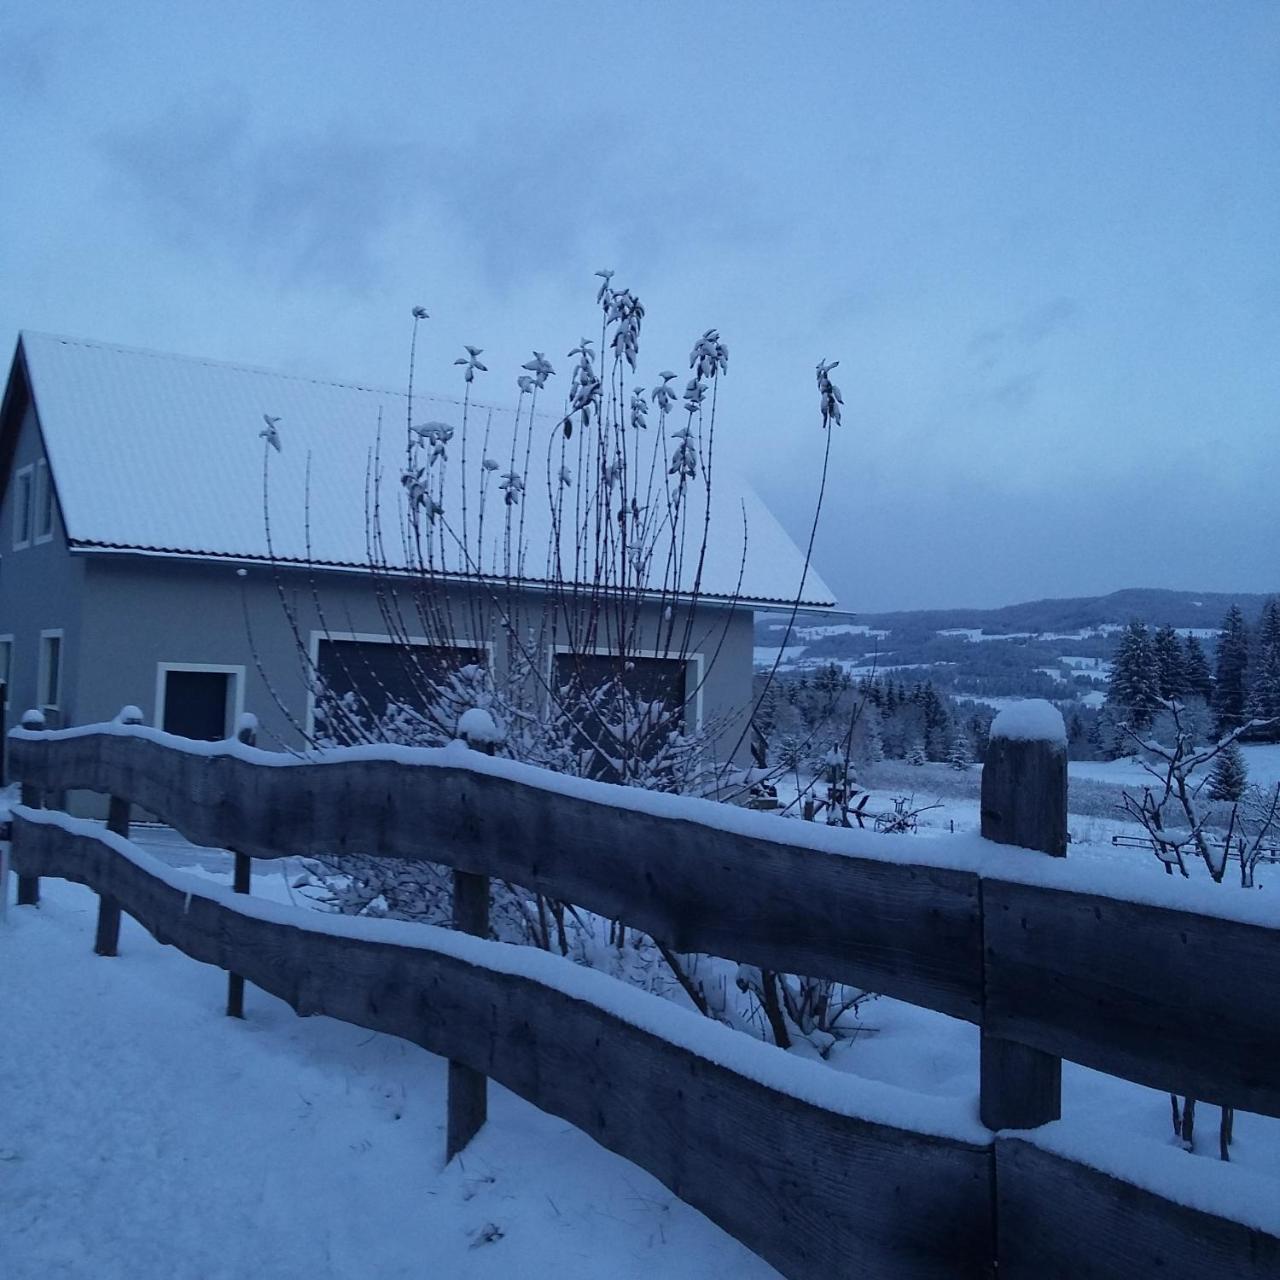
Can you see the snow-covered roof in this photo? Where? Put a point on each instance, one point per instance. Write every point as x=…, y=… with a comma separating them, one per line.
x=162, y=454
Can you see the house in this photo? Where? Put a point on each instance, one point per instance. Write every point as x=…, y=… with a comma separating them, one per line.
x=156, y=549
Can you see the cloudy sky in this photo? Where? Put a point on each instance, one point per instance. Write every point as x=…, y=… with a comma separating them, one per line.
x=1042, y=239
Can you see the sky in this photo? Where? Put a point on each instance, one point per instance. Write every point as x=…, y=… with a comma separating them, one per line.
x=1042, y=239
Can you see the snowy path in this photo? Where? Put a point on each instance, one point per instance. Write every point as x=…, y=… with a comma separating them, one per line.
x=143, y=1134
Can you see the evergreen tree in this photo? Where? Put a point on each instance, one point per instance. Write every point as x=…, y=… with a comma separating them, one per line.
x=960, y=756
x=1134, y=685
x=1230, y=688
x=1195, y=668
x=1265, y=694
x=1229, y=776
x=1170, y=666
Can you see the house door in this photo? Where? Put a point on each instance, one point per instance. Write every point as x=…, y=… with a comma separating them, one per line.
x=196, y=704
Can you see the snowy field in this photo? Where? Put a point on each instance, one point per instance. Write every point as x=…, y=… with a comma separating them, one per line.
x=1262, y=759
x=144, y=1135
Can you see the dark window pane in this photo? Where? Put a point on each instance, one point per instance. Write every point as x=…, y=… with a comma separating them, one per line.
x=620, y=711
x=370, y=690
x=195, y=704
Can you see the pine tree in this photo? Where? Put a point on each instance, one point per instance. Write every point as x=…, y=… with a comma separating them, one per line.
x=1134, y=685
x=1230, y=687
x=960, y=756
x=1195, y=667
x=1265, y=694
x=1170, y=665
x=1229, y=776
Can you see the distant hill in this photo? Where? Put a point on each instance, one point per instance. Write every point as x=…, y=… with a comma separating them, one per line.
x=1200, y=609
x=1056, y=649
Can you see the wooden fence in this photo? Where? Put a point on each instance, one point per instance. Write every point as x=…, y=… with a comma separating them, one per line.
x=1133, y=990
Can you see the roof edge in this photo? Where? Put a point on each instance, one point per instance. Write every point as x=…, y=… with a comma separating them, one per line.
x=86, y=547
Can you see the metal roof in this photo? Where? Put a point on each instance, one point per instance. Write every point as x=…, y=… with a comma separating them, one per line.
x=162, y=454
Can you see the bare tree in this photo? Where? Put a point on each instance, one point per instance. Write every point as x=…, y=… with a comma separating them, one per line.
x=1185, y=829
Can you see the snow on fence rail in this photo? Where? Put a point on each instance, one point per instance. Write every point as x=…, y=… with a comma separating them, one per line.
x=819, y=1178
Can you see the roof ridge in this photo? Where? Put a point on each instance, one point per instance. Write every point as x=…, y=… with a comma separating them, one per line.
x=262, y=371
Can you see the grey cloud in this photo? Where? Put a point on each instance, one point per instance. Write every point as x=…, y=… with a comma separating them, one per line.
x=305, y=208
x=532, y=200
x=1015, y=392
x=29, y=59
x=1026, y=330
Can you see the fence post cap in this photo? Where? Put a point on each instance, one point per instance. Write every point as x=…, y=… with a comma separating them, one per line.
x=1032, y=720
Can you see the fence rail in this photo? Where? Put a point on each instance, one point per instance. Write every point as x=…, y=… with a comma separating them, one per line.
x=1132, y=989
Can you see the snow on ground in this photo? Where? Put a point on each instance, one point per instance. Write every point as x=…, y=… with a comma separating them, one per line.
x=1261, y=758
x=145, y=1134
x=839, y=629
x=1098, y=666
x=765, y=655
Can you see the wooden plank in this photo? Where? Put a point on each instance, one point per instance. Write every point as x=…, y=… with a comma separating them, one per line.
x=1024, y=794
x=107, y=941
x=28, y=894
x=1019, y=1088
x=1024, y=802
x=816, y=1193
x=241, y=882
x=908, y=931
x=1059, y=1220
x=1175, y=1000
x=468, y=1104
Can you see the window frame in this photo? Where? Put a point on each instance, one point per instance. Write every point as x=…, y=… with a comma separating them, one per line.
x=44, y=670
x=24, y=506
x=42, y=503
x=235, y=698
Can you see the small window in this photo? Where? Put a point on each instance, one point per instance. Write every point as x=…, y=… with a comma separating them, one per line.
x=198, y=700
x=51, y=669
x=43, y=503
x=22, y=499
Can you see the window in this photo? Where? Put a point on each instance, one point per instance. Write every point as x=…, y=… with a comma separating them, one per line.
x=22, y=513
x=198, y=699
x=374, y=687
x=43, y=503
x=51, y=669
x=656, y=703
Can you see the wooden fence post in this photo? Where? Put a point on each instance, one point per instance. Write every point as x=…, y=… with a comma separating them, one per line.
x=107, y=941
x=242, y=879
x=468, y=1090
x=33, y=798
x=1024, y=802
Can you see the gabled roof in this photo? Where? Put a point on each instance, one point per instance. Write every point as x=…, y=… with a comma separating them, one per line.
x=161, y=454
